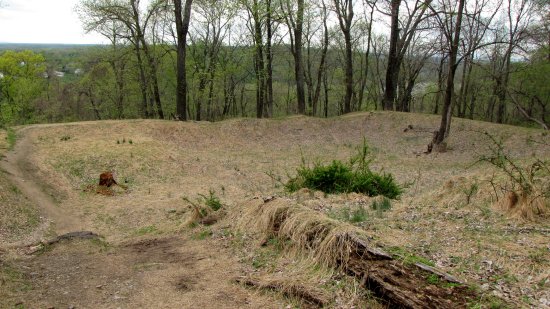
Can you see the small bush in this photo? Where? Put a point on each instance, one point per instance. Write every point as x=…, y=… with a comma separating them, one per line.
x=212, y=200
x=65, y=138
x=339, y=177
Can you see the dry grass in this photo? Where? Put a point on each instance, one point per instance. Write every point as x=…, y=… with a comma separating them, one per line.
x=308, y=232
x=531, y=207
x=439, y=217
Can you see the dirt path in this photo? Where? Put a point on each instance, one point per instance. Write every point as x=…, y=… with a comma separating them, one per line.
x=19, y=171
x=172, y=270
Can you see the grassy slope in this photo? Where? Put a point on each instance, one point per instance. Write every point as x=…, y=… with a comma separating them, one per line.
x=169, y=160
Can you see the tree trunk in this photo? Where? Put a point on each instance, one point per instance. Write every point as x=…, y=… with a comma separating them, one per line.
x=298, y=58
x=259, y=63
x=349, y=73
x=345, y=18
x=269, y=52
x=142, y=81
x=393, y=65
x=367, y=58
x=444, y=128
x=505, y=77
x=182, y=27
x=140, y=35
x=322, y=64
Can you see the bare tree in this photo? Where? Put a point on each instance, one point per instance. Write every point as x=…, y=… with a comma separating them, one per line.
x=518, y=17
x=294, y=18
x=451, y=29
x=183, y=16
x=97, y=12
x=401, y=35
x=450, y=17
x=345, y=14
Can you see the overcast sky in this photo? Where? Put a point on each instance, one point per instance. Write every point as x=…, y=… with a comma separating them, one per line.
x=42, y=21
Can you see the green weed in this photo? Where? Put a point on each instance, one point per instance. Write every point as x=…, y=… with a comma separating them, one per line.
x=11, y=138
x=212, y=200
x=202, y=235
x=151, y=229
x=409, y=258
x=13, y=278
x=433, y=279
x=350, y=214
x=383, y=205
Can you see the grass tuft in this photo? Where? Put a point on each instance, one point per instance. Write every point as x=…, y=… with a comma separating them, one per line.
x=11, y=138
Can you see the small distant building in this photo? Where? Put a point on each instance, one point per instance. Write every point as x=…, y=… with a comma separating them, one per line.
x=54, y=73
x=78, y=71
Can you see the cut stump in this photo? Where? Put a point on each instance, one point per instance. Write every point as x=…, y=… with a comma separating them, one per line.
x=107, y=180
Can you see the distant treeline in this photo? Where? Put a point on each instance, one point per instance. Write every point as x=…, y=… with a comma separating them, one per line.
x=243, y=60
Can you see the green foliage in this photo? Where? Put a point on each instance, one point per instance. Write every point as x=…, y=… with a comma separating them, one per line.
x=409, y=258
x=212, y=200
x=471, y=191
x=151, y=229
x=339, y=177
x=433, y=279
x=202, y=235
x=11, y=138
x=381, y=206
x=21, y=83
x=350, y=214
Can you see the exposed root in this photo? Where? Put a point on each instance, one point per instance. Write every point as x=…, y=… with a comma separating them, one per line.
x=65, y=237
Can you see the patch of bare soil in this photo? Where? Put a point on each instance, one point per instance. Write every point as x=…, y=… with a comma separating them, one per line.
x=171, y=272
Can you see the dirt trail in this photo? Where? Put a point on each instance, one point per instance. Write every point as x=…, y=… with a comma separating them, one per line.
x=174, y=270
x=19, y=171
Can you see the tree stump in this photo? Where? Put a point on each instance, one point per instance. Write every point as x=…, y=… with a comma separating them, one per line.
x=106, y=179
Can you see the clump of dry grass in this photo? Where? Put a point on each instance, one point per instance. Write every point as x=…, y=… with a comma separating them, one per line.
x=325, y=240
x=531, y=207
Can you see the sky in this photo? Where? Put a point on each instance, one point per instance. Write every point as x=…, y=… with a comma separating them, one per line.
x=43, y=21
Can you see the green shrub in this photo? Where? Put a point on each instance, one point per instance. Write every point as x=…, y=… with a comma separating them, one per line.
x=212, y=200
x=339, y=177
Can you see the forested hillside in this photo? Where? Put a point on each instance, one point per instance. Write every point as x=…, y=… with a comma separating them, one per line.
x=484, y=59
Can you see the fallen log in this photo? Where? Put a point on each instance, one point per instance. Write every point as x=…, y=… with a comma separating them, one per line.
x=73, y=236
x=65, y=237
x=398, y=283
